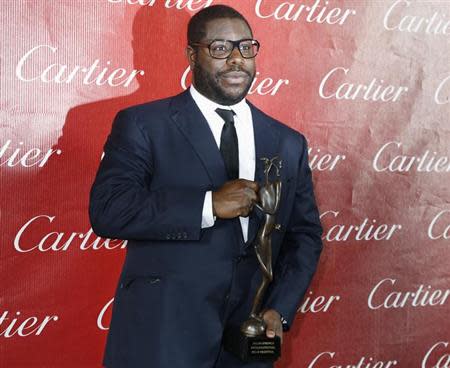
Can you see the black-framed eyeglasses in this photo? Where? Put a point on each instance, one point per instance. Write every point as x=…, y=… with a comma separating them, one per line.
x=222, y=49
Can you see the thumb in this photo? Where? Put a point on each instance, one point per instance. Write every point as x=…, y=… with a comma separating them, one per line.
x=270, y=329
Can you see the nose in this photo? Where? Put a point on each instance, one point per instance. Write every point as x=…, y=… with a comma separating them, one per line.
x=235, y=56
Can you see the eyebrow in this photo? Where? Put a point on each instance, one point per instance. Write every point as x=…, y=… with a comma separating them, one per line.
x=227, y=39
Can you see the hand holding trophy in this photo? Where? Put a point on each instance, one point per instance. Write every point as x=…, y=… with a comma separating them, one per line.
x=251, y=343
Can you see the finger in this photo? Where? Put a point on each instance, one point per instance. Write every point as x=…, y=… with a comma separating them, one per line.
x=253, y=185
x=251, y=195
x=274, y=328
x=271, y=327
x=270, y=334
x=247, y=199
x=245, y=210
x=254, y=197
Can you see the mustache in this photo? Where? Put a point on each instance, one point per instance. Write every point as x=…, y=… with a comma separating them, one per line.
x=240, y=70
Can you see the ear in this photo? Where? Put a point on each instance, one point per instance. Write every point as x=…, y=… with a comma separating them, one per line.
x=191, y=55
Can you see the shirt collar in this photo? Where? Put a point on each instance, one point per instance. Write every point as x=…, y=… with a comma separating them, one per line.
x=205, y=103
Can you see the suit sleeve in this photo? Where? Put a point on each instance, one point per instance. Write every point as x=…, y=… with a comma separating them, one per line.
x=122, y=206
x=301, y=247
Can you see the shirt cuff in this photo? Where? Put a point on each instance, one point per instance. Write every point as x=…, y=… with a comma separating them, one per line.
x=208, y=217
x=284, y=324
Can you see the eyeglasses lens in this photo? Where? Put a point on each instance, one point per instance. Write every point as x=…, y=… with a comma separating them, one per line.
x=223, y=49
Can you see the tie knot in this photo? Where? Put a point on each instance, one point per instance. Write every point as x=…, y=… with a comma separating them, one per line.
x=226, y=115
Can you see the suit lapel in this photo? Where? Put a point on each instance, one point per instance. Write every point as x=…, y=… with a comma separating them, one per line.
x=266, y=145
x=189, y=119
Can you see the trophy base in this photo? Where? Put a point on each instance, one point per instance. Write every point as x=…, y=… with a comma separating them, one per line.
x=251, y=349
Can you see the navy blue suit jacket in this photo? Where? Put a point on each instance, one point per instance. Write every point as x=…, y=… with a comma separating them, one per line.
x=180, y=284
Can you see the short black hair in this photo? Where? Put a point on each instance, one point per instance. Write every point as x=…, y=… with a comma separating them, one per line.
x=197, y=24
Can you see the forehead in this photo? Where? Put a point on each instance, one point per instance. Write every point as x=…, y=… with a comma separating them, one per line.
x=227, y=28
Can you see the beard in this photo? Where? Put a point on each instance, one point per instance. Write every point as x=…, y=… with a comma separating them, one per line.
x=209, y=86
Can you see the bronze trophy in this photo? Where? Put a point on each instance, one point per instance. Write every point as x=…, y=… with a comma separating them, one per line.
x=250, y=342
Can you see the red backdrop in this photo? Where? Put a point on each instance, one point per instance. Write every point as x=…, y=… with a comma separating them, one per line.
x=368, y=83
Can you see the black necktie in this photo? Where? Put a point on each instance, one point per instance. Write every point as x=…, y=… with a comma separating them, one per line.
x=229, y=144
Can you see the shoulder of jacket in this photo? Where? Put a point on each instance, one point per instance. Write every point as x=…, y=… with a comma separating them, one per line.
x=155, y=106
x=283, y=129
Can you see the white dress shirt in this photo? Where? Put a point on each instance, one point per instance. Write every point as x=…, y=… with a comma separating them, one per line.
x=246, y=143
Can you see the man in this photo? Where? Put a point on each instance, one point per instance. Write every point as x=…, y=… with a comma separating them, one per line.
x=179, y=180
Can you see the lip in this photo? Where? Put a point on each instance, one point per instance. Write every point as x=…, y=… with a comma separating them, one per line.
x=235, y=77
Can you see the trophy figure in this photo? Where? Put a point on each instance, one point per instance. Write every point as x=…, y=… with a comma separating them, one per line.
x=251, y=343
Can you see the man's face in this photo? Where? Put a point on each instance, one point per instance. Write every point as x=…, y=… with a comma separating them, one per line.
x=225, y=81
